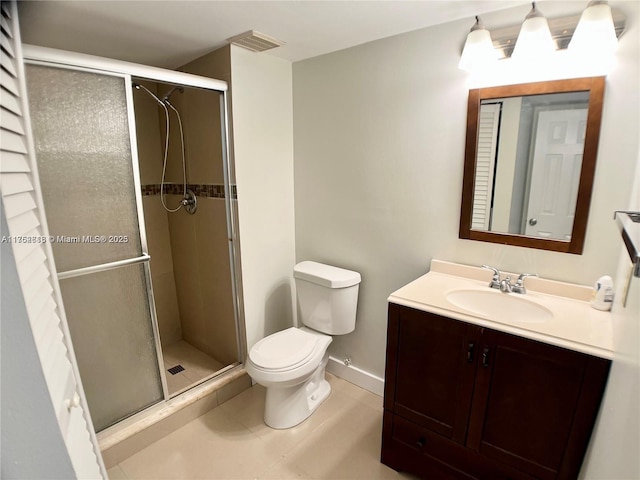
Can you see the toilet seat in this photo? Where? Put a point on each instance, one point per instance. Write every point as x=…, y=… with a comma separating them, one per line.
x=284, y=350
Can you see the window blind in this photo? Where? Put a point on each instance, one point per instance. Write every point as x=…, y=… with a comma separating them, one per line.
x=29, y=238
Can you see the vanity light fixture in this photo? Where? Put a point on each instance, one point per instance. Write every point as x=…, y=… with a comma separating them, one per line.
x=534, y=40
x=596, y=32
x=478, y=49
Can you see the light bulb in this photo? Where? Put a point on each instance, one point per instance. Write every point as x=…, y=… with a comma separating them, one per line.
x=534, y=40
x=595, y=33
x=478, y=50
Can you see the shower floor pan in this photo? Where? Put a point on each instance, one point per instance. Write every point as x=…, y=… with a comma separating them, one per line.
x=196, y=365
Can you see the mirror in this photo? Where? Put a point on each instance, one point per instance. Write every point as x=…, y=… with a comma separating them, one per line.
x=529, y=163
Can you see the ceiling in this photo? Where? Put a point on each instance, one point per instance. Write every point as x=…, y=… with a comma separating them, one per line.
x=171, y=33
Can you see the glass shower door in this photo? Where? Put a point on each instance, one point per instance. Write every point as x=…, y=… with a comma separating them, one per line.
x=83, y=146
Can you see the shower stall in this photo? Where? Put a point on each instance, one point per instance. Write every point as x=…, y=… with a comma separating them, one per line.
x=140, y=202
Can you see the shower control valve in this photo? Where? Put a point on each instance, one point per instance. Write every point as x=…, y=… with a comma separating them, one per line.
x=190, y=202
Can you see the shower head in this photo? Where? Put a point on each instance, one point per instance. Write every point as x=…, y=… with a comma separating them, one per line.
x=170, y=92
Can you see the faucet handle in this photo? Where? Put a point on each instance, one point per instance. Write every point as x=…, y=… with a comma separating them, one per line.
x=495, y=281
x=519, y=286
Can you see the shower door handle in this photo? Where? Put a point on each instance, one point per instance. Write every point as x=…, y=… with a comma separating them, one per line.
x=103, y=266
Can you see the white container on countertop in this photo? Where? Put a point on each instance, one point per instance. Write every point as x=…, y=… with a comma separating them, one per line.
x=603, y=294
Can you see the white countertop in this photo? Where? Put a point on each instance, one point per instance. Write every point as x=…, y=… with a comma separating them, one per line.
x=575, y=325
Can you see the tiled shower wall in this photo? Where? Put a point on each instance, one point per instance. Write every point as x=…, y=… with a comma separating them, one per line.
x=196, y=246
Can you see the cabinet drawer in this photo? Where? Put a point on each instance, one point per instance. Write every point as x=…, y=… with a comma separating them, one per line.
x=401, y=451
x=437, y=454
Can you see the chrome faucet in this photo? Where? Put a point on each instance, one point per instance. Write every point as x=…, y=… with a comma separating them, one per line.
x=519, y=286
x=495, y=281
x=505, y=285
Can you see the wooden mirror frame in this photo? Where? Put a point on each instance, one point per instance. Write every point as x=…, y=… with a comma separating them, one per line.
x=595, y=87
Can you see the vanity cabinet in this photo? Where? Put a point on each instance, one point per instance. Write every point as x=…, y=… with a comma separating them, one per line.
x=464, y=401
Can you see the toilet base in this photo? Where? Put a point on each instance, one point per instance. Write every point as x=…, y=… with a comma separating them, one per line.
x=286, y=407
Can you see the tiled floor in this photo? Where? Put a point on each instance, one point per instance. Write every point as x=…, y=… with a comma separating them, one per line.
x=197, y=365
x=341, y=440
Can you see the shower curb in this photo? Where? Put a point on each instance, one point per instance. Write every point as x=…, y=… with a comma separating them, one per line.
x=142, y=429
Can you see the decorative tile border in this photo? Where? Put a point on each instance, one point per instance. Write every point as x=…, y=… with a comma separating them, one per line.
x=201, y=190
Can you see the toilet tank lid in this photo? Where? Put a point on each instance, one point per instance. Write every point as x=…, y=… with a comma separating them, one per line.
x=326, y=275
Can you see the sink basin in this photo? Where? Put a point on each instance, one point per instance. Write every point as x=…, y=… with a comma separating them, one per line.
x=496, y=305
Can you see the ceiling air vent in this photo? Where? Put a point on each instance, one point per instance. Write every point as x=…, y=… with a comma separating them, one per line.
x=255, y=41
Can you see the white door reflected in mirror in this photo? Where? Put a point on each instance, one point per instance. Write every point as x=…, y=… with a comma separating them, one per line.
x=555, y=174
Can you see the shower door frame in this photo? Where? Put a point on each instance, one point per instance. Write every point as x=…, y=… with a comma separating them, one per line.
x=49, y=57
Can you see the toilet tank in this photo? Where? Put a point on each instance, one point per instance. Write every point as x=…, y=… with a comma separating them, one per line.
x=327, y=297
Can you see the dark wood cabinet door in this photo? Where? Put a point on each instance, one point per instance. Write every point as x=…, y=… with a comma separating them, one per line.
x=430, y=370
x=534, y=404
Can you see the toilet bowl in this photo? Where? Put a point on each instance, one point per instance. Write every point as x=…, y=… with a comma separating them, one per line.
x=291, y=363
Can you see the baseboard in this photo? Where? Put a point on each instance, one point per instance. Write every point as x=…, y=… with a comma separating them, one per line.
x=356, y=376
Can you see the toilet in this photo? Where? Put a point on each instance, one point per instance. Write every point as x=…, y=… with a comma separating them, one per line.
x=291, y=363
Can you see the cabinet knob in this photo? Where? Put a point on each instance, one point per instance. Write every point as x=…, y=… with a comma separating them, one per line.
x=485, y=357
x=470, y=350
x=421, y=442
